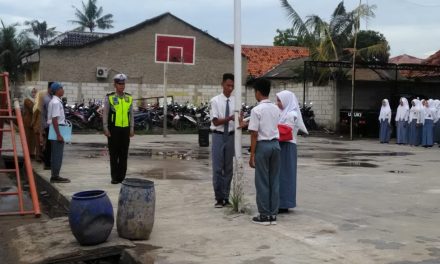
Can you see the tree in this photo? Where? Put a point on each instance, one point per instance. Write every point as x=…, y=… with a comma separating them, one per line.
x=13, y=46
x=370, y=46
x=40, y=30
x=328, y=40
x=287, y=38
x=91, y=17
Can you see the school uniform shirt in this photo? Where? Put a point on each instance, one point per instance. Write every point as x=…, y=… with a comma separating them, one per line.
x=415, y=112
x=56, y=109
x=437, y=110
x=218, y=110
x=296, y=123
x=264, y=119
x=402, y=113
x=427, y=114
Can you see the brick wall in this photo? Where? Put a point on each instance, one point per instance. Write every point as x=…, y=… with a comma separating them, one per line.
x=322, y=97
x=77, y=92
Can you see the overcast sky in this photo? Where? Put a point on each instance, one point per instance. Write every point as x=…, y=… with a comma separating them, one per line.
x=410, y=26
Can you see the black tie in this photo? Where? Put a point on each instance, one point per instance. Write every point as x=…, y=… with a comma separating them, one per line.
x=226, y=128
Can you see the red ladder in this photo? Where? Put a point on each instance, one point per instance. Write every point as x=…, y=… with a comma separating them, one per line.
x=7, y=115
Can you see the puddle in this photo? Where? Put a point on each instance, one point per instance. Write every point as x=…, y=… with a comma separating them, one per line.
x=396, y=171
x=91, y=145
x=164, y=174
x=348, y=154
x=356, y=164
x=186, y=154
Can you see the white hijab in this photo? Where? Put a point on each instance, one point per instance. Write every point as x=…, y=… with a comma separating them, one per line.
x=290, y=104
x=403, y=110
x=385, y=111
x=28, y=93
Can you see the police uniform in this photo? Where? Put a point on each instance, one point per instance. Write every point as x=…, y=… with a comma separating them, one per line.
x=118, y=121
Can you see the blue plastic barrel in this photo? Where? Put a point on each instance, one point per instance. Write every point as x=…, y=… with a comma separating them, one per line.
x=91, y=217
x=136, y=208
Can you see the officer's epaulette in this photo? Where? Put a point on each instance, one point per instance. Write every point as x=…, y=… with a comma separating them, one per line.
x=128, y=94
x=110, y=94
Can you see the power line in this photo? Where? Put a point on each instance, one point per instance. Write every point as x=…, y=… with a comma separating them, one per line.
x=421, y=5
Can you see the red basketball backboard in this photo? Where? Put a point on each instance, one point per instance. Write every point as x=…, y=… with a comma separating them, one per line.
x=175, y=49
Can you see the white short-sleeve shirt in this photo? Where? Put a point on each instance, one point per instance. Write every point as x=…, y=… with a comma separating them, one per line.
x=218, y=110
x=264, y=119
x=56, y=109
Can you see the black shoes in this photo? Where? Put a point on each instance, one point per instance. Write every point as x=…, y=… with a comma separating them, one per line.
x=47, y=168
x=226, y=203
x=273, y=219
x=59, y=180
x=115, y=182
x=219, y=204
x=222, y=203
x=261, y=220
x=265, y=220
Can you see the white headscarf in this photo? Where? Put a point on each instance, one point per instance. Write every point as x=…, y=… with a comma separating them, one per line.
x=290, y=104
x=385, y=111
x=403, y=110
x=28, y=93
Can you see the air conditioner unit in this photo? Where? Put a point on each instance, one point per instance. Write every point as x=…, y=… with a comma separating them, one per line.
x=101, y=72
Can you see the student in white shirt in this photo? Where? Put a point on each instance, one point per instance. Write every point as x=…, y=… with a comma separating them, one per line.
x=385, y=121
x=415, y=123
x=222, y=127
x=291, y=117
x=265, y=153
x=402, y=117
x=56, y=118
x=428, y=123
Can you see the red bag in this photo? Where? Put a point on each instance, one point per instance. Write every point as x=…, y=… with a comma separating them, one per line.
x=285, y=133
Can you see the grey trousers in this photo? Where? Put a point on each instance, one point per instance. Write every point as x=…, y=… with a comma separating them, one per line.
x=267, y=176
x=56, y=159
x=222, y=164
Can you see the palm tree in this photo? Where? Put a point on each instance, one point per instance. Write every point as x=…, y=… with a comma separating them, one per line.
x=90, y=17
x=40, y=30
x=328, y=40
x=13, y=47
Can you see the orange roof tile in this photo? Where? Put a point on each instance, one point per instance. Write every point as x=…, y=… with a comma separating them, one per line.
x=433, y=59
x=261, y=59
x=405, y=58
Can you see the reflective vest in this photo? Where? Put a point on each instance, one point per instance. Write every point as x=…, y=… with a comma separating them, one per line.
x=120, y=107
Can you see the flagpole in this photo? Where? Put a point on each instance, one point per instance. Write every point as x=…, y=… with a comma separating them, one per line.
x=237, y=73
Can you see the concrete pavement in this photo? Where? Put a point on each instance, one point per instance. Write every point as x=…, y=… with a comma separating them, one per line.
x=358, y=202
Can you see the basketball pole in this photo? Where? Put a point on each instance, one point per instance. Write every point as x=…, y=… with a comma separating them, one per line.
x=165, y=99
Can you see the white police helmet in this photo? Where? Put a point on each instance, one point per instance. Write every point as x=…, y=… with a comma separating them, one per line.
x=120, y=77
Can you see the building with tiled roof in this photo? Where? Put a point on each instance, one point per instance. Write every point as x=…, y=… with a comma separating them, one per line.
x=75, y=38
x=262, y=59
x=405, y=59
x=433, y=59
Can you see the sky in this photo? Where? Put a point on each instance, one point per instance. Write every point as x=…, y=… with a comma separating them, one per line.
x=411, y=26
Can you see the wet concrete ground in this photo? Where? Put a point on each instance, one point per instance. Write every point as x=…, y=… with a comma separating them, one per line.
x=358, y=202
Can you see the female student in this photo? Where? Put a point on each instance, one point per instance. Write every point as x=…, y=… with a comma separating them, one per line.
x=385, y=121
x=291, y=117
x=436, y=121
x=428, y=120
x=402, y=117
x=415, y=122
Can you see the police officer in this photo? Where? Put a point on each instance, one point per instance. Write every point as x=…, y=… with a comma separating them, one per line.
x=118, y=127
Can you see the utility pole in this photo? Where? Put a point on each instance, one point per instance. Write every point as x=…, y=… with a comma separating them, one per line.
x=353, y=70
